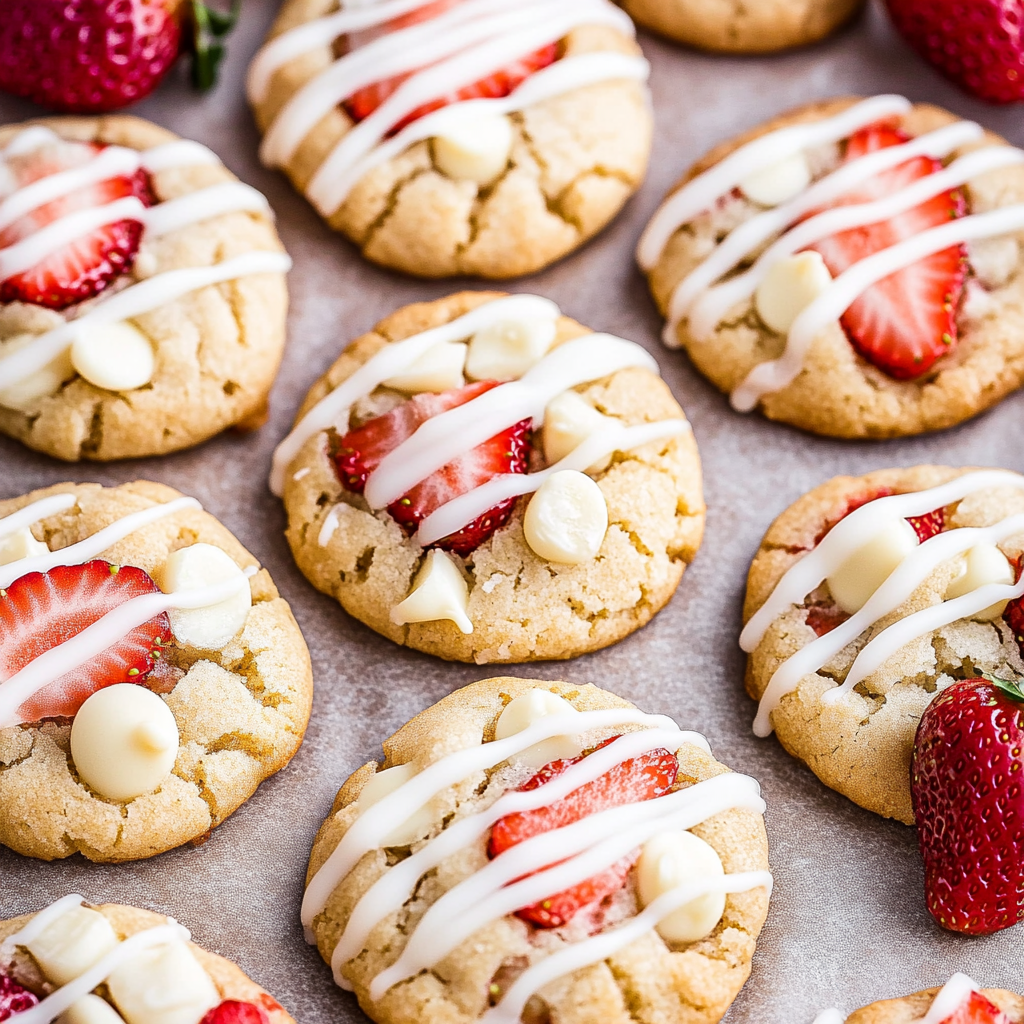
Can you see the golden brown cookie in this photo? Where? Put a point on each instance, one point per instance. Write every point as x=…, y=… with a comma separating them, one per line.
x=171, y=975
x=521, y=183
x=911, y=1008
x=520, y=600
x=240, y=696
x=951, y=346
x=181, y=361
x=859, y=740
x=481, y=960
x=727, y=26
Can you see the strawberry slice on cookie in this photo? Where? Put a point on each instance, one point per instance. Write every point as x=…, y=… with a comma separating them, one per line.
x=84, y=266
x=641, y=778
x=40, y=611
x=904, y=323
x=977, y=1009
x=360, y=451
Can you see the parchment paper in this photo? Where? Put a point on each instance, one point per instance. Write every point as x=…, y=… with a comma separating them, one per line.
x=847, y=924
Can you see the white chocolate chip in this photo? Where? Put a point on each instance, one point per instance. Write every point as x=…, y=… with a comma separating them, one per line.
x=70, y=945
x=779, y=183
x=383, y=784
x=524, y=711
x=213, y=627
x=474, y=149
x=90, y=1009
x=789, y=287
x=507, y=349
x=569, y=420
x=124, y=741
x=162, y=985
x=566, y=519
x=674, y=859
x=20, y=544
x=438, y=369
x=439, y=591
x=856, y=580
x=982, y=565
x=994, y=260
x=26, y=394
x=114, y=357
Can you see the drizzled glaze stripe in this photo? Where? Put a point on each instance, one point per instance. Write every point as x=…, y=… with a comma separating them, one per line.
x=832, y=1016
x=97, y=638
x=368, y=831
x=38, y=924
x=34, y=513
x=607, y=944
x=949, y=999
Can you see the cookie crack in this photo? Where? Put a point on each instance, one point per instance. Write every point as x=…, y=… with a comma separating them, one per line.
x=390, y=204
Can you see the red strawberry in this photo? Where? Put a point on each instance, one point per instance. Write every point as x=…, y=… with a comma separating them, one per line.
x=966, y=781
x=929, y=525
x=41, y=610
x=1014, y=618
x=84, y=267
x=360, y=451
x=824, y=618
x=89, y=56
x=976, y=1009
x=640, y=778
x=978, y=44
x=14, y=998
x=907, y=321
x=233, y=1011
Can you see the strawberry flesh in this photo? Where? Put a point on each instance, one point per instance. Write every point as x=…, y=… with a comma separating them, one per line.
x=907, y=321
x=641, y=778
x=824, y=618
x=39, y=611
x=85, y=266
x=234, y=1011
x=14, y=998
x=966, y=783
x=361, y=450
x=931, y=524
x=977, y=1009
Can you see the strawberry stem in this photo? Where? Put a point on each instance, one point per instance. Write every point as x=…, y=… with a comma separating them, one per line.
x=210, y=27
x=1010, y=688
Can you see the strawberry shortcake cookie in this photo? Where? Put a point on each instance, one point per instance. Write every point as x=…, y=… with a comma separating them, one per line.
x=959, y=1001
x=142, y=290
x=484, y=479
x=870, y=596
x=535, y=851
x=110, y=964
x=853, y=268
x=445, y=137
x=726, y=26
x=150, y=675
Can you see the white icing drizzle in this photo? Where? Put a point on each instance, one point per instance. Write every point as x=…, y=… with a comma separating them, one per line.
x=606, y=944
x=949, y=999
x=832, y=1016
x=845, y=539
x=706, y=308
x=35, y=512
x=445, y=53
x=849, y=286
x=706, y=189
x=28, y=139
x=38, y=924
x=368, y=831
x=461, y=511
x=133, y=301
x=330, y=526
x=97, y=638
x=93, y=546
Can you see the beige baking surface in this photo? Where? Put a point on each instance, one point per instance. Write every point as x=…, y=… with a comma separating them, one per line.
x=848, y=924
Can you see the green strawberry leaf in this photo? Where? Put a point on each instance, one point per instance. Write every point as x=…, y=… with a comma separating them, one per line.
x=1009, y=688
x=210, y=26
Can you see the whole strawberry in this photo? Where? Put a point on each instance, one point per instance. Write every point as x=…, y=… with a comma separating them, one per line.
x=967, y=782
x=91, y=56
x=979, y=44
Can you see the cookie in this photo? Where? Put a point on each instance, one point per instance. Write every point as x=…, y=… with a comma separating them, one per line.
x=541, y=517
x=853, y=268
x=427, y=889
x=725, y=26
x=103, y=964
x=488, y=137
x=142, y=290
x=103, y=589
x=953, y=1002
x=845, y=657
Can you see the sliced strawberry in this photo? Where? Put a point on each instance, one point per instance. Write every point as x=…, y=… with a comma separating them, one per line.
x=824, y=618
x=641, y=778
x=42, y=610
x=234, y=1011
x=906, y=321
x=86, y=265
x=931, y=524
x=977, y=1009
x=360, y=451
